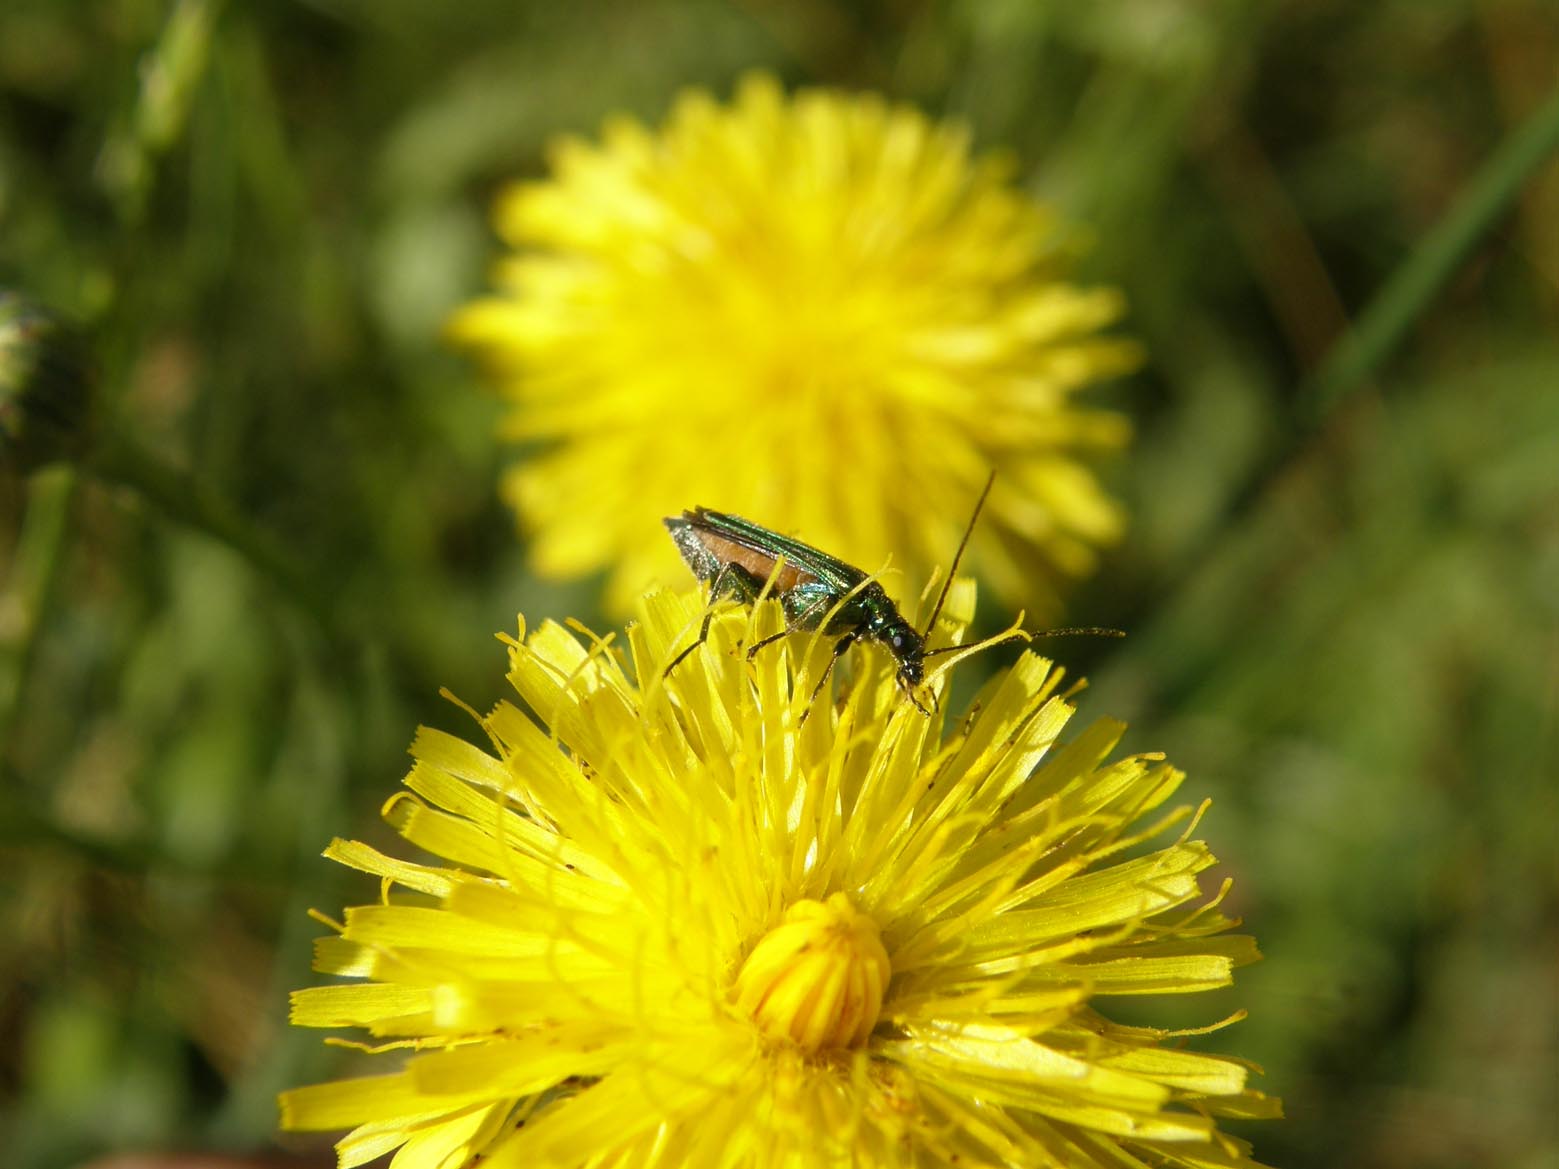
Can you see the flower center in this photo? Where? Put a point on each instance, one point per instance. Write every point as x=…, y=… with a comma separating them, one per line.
x=818, y=977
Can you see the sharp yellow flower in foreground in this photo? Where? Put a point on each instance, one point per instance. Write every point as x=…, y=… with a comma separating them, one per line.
x=819, y=309
x=677, y=924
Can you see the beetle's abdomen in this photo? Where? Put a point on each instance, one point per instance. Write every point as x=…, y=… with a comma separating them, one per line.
x=760, y=565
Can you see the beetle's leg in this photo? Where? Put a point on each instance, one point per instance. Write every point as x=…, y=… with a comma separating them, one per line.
x=732, y=579
x=804, y=606
x=909, y=692
x=677, y=661
x=757, y=645
x=840, y=646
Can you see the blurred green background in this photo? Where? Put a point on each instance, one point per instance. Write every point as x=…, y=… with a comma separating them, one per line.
x=1341, y=581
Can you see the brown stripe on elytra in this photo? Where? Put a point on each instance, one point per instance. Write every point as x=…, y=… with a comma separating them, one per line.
x=760, y=564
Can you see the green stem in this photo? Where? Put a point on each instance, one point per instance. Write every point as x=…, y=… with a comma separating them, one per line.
x=1387, y=318
x=34, y=585
x=27, y=829
x=1241, y=543
x=370, y=635
x=188, y=500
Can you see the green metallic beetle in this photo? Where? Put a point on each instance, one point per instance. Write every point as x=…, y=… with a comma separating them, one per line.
x=817, y=592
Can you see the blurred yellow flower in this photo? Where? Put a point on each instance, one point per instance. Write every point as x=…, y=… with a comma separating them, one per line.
x=816, y=311
x=678, y=924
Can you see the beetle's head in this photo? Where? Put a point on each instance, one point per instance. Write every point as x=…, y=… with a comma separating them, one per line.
x=907, y=648
x=909, y=651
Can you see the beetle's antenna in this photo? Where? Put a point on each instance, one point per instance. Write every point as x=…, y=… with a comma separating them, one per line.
x=1024, y=638
x=959, y=555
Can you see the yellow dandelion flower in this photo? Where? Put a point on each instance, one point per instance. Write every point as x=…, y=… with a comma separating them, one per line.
x=820, y=311
x=677, y=924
